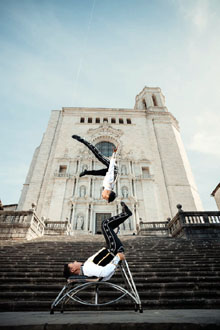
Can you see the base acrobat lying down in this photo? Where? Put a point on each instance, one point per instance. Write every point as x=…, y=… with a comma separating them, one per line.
x=101, y=266
x=103, y=263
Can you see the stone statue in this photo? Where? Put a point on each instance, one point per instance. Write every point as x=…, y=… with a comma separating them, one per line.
x=127, y=224
x=124, y=170
x=124, y=192
x=82, y=191
x=80, y=222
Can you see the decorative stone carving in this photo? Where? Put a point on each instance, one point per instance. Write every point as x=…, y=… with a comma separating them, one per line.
x=124, y=192
x=33, y=207
x=82, y=191
x=127, y=224
x=105, y=129
x=80, y=222
x=124, y=170
x=84, y=167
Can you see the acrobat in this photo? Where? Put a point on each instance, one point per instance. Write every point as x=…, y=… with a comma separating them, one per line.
x=109, y=173
x=103, y=263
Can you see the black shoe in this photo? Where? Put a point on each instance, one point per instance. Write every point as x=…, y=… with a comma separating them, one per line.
x=125, y=209
x=77, y=137
x=83, y=173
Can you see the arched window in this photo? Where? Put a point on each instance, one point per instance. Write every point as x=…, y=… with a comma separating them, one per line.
x=154, y=100
x=106, y=148
x=144, y=104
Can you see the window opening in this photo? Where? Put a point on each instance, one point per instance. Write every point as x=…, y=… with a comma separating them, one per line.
x=144, y=104
x=106, y=148
x=154, y=100
x=62, y=169
x=145, y=172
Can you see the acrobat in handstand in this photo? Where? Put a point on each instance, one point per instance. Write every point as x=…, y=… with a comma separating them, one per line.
x=109, y=173
x=103, y=263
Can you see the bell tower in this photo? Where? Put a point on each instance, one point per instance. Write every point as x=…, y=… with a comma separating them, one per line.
x=150, y=98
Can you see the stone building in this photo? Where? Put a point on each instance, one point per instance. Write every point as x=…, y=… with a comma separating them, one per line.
x=155, y=174
x=216, y=195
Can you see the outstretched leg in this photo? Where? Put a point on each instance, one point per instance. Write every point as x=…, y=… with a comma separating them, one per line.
x=101, y=172
x=108, y=225
x=94, y=150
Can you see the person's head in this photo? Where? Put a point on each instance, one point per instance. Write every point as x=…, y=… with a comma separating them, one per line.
x=105, y=194
x=112, y=196
x=108, y=195
x=73, y=268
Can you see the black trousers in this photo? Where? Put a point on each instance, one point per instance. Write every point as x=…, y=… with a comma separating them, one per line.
x=108, y=225
x=104, y=160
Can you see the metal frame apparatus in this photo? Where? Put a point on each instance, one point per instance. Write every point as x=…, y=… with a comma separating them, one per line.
x=77, y=283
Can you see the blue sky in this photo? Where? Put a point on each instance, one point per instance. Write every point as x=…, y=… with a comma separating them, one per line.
x=101, y=53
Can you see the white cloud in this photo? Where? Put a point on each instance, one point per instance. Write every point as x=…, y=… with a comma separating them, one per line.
x=196, y=12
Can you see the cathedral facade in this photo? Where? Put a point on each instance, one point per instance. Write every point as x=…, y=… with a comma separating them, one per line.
x=154, y=171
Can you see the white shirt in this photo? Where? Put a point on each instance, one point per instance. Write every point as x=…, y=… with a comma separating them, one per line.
x=108, y=182
x=106, y=272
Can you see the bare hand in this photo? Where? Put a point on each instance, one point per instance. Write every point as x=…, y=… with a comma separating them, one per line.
x=121, y=255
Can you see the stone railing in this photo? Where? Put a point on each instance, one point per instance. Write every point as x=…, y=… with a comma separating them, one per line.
x=155, y=228
x=20, y=225
x=57, y=227
x=195, y=224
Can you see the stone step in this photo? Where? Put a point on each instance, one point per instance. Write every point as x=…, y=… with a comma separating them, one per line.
x=138, y=261
x=146, y=274
x=134, y=269
x=167, y=272
x=142, y=286
x=186, y=303
x=156, y=279
x=108, y=294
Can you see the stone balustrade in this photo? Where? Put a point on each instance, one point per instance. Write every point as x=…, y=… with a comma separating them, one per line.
x=155, y=228
x=57, y=227
x=20, y=225
x=195, y=224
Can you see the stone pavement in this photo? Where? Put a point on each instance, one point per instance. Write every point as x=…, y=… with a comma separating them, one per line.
x=193, y=319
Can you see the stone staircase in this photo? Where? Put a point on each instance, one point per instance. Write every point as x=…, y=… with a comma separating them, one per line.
x=169, y=273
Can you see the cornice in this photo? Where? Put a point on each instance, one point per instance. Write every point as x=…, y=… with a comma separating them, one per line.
x=163, y=117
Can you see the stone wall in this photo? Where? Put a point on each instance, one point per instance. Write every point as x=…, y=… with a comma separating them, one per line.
x=154, y=175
